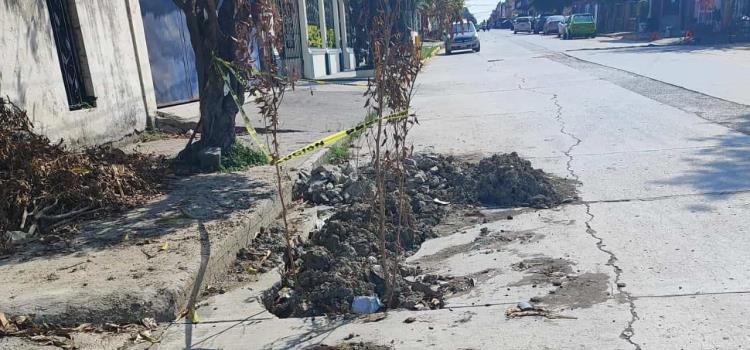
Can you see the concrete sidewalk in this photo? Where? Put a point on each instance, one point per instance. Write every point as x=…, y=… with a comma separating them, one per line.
x=146, y=262
x=310, y=111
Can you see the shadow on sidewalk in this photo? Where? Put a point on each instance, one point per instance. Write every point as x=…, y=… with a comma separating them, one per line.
x=205, y=256
x=203, y=197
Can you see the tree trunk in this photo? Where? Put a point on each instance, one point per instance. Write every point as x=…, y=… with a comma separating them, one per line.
x=211, y=34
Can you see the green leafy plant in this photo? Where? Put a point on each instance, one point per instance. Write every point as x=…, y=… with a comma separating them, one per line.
x=242, y=157
x=426, y=52
x=331, y=38
x=339, y=153
x=314, y=38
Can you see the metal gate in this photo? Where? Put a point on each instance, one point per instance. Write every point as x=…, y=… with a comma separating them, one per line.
x=170, y=52
x=67, y=52
x=292, y=52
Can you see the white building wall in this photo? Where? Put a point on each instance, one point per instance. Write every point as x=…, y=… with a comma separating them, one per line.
x=30, y=72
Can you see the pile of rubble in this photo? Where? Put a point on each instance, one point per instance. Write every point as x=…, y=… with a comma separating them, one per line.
x=330, y=184
x=504, y=180
x=342, y=261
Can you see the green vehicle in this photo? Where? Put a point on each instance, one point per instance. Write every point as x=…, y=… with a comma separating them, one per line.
x=578, y=25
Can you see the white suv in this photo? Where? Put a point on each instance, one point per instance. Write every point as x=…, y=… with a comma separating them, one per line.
x=522, y=24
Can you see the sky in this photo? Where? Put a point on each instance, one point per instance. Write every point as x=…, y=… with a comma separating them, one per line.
x=481, y=8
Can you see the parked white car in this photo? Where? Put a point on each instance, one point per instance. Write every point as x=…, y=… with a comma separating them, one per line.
x=522, y=24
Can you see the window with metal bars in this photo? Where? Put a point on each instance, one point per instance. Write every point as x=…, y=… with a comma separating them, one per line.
x=71, y=54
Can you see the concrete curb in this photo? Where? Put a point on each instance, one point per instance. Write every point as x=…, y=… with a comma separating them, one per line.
x=225, y=253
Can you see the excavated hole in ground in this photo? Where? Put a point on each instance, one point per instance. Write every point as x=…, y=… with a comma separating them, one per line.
x=343, y=260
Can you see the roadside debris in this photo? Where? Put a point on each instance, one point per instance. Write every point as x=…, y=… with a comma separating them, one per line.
x=62, y=337
x=44, y=187
x=332, y=184
x=366, y=304
x=350, y=346
x=525, y=306
x=504, y=180
x=341, y=261
x=517, y=312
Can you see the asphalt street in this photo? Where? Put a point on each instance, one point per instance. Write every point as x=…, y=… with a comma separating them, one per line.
x=658, y=243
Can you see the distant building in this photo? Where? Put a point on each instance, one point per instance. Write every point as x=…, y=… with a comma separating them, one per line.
x=671, y=17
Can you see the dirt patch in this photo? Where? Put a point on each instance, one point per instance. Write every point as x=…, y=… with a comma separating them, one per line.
x=571, y=290
x=487, y=240
x=465, y=318
x=580, y=291
x=542, y=270
x=265, y=253
x=350, y=346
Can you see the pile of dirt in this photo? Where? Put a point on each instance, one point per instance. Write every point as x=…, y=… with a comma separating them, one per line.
x=264, y=254
x=44, y=186
x=343, y=260
x=501, y=180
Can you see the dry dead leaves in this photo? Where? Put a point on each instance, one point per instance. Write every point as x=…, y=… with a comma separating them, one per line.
x=44, y=186
x=62, y=337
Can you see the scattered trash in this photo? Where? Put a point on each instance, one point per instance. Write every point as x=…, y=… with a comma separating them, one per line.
x=516, y=312
x=373, y=317
x=525, y=306
x=4, y=323
x=192, y=315
x=366, y=304
x=164, y=247
x=146, y=335
x=440, y=202
x=149, y=323
x=410, y=320
x=621, y=285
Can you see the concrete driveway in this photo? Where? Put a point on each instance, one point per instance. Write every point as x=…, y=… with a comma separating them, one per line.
x=656, y=252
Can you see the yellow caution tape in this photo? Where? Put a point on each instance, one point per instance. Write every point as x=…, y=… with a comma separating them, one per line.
x=192, y=315
x=311, y=147
x=339, y=135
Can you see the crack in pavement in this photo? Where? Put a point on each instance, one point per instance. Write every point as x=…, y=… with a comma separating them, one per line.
x=625, y=296
x=670, y=196
x=627, y=333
